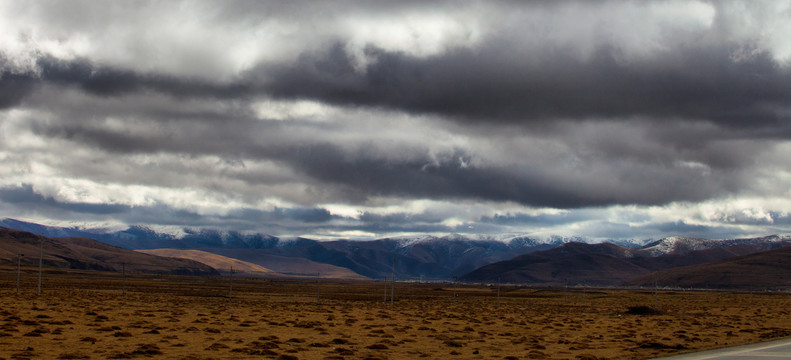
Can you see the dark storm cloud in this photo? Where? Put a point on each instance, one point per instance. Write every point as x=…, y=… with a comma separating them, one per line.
x=359, y=172
x=402, y=222
x=779, y=218
x=540, y=219
x=605, y=230
x=15, y=87
x=109, y=81
x=399, y=218
x=448, y=177
x=681, y=227
x=767, y=218
x=239, y=219
x=212, y=111
x=499, y=82
x=25, y=196
x=482, y=85
x=315, y=215
x=279, y=221
x=160, y=214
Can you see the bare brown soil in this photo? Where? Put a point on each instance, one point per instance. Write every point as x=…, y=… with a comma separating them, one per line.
x=82, y=315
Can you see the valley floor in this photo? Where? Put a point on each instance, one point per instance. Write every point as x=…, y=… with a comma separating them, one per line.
x=84, y=315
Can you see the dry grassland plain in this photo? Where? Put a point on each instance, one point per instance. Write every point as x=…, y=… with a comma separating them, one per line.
x=84, y=315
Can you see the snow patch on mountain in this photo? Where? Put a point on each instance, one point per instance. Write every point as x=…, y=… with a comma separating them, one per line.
x=511, y=240
x=409, y=240
x=629, y=243
x=683, y=245
x=674, y=244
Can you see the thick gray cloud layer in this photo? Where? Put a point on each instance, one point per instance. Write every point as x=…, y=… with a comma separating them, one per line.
x=351, y=118
x=498, y=83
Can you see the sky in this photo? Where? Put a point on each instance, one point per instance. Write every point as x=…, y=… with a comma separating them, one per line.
x=351, y=119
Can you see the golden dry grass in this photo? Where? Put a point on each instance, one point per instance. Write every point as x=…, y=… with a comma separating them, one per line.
x=82, y=315
x=216, y=261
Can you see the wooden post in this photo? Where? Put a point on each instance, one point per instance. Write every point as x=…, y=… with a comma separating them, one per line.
x=392, y=289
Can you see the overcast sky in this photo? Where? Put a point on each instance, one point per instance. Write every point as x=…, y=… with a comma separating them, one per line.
x=602, y=119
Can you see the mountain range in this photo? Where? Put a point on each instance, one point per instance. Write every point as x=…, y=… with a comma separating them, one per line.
x=418, y=257
x=610, y=265
x=510, y=259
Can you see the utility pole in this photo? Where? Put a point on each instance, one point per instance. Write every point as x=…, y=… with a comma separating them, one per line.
x=40, y=260
x=392, y=289
x=656, y=290
x=498, y=291
x=584, y=299
x=18, y=270
x=454, y=287
x=385, y=282
x=318, y=287
x=230, y=283
x=123, y=280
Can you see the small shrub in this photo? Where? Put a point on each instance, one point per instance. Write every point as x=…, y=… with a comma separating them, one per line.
x=643, y=310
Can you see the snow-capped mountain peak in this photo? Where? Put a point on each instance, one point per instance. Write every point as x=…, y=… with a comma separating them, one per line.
x=683, y=245
x=408, y=240
x=674, y=244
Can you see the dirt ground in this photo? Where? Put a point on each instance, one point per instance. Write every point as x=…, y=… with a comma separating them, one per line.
x=86, y=316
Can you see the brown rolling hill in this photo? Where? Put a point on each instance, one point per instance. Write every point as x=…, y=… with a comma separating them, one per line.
x=88, y=254
x=293, y=266
x=602, y=264
x=571, y=263
x=759, y=271
x=223, y=264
